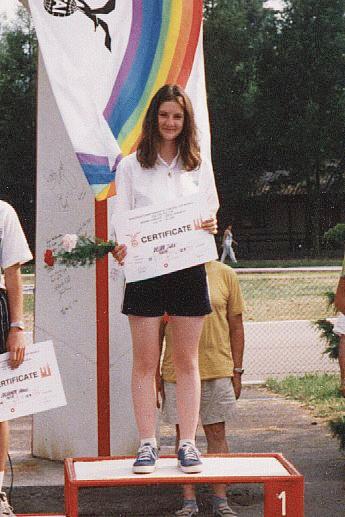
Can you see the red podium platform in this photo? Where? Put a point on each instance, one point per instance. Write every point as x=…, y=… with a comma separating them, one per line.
x=283, y=484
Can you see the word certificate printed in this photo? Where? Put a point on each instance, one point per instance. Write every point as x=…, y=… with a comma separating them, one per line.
x=32, y=387
x=165, y=237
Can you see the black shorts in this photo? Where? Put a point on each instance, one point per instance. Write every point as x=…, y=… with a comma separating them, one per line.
x=182, y=293
x=4, y=321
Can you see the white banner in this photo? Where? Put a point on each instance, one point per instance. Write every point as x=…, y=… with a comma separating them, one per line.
x=106, y=59
x=32, y=387
x=165, y=237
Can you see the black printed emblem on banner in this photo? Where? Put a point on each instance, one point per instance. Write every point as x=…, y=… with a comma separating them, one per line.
x=63, y=8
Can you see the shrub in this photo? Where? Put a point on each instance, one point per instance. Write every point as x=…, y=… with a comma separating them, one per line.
x=325, y=328
x=335, y=235
x=338, y=429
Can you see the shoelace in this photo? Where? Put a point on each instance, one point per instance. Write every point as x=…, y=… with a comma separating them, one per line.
x=190, y=452
x=146, y=452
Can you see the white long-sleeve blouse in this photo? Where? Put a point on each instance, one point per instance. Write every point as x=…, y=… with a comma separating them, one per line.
x=138, y=187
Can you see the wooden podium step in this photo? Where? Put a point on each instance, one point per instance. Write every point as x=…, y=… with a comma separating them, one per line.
x=283, y=484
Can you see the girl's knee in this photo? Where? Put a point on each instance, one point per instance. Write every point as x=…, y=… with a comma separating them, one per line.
x=145, y=365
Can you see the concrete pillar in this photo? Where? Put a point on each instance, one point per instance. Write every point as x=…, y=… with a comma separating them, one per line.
x=65, y=307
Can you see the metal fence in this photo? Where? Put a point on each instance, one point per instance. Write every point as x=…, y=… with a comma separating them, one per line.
x=281, y=305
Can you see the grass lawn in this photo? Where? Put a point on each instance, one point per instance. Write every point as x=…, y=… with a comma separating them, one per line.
x=303, y=262
x=287, y=296
x=319, y=392
x=28, y=279
x=28, y=311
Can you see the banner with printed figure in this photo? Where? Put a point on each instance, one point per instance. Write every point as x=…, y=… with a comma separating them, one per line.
x=106, y=59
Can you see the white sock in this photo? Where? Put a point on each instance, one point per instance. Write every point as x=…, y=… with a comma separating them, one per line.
x=2, y=473
x=151, y=441
x=186, y=440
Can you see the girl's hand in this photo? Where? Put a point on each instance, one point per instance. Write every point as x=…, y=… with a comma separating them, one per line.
x=210, y=225
x=119, y=253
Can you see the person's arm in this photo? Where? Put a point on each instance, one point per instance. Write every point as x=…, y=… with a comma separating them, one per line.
x=339, y=300
x=236, y=331
x=159, y=380
x=123, y=202
x=208, y=187
x=16, y=339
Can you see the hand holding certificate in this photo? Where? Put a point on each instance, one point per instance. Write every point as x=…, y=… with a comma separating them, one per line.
x=165, y=237
x=32, y=387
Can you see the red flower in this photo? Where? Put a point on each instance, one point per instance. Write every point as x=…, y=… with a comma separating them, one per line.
x=49, y=258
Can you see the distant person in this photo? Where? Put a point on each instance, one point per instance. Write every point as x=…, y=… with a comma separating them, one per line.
x=227, y=243
x=339, y=327
x=220, y=364
x=14, y=251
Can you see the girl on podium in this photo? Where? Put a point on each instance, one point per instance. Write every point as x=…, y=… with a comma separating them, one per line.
x=166, y=166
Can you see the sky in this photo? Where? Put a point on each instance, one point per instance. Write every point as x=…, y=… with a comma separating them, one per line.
x=276, y=4
x=9, y=6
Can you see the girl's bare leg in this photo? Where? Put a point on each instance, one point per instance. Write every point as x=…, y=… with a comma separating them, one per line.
x=145, y=338
x=186, y=333
x=341, y=359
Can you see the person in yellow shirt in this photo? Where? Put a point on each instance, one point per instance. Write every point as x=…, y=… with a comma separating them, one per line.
x=221, y=350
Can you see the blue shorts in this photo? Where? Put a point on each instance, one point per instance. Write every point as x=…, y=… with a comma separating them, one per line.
x=182, y=293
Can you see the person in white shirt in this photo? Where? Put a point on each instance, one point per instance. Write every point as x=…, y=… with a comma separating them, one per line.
x=14, y=251
x=227, y=243
x=166, y=166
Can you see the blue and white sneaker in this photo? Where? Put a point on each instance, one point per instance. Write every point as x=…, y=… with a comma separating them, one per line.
x=224, y=509
x=146, y=459
x=188, y=458
x=188, y=510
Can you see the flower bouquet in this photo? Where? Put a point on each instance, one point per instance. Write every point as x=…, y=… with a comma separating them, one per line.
x=78, y=251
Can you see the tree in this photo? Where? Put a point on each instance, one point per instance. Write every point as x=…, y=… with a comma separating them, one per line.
x=233, y=32
x=18, y=57
x=301, y=99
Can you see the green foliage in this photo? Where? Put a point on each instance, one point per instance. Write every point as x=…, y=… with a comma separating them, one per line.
x=325, y=328
x=319, y=391
x=86, y=252
x=336, y=234
x=18, y=56
x=276, y=99
x=301, y=97
x=232, y=34
x=338, y=429
x=330, y=296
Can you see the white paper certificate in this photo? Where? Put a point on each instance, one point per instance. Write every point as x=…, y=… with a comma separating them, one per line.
x=32, y=387
x=165, y=237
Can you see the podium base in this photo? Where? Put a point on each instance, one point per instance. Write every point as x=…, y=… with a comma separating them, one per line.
x=283, y=484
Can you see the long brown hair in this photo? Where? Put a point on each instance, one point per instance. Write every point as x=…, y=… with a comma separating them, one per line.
x=187, y=140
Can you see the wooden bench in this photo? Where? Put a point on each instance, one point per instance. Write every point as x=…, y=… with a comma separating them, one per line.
x=283, y=484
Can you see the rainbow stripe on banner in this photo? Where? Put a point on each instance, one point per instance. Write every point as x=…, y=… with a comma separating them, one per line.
x=161, y=48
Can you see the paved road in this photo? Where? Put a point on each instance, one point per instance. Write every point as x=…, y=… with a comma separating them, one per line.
x=264, y=423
